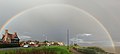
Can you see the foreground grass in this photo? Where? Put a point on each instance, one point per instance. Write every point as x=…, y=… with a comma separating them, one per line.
x=55, y=50
x=39, y=50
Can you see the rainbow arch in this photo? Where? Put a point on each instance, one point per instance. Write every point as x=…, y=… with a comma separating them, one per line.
x=85, y=12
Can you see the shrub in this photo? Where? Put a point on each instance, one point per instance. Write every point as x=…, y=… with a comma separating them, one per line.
x=87, y=51
x=96, y=48
x=9, y=45
x=91, y=50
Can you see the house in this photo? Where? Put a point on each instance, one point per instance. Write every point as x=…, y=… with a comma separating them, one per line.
x=10, y=38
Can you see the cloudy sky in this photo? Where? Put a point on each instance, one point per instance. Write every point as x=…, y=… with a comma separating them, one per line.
x=35, y=19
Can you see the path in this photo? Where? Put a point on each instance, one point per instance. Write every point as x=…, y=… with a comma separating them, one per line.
x=74, y=51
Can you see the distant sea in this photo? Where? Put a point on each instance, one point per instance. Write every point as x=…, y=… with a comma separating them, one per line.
x=110, y=49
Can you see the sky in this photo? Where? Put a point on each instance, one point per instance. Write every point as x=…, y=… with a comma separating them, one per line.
x=39, y=18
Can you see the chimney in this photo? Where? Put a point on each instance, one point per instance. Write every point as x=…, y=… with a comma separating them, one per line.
x=15, y=33
x=6, y=31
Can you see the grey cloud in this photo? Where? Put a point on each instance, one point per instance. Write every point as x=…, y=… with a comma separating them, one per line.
x=25, y=37
x=106, y=11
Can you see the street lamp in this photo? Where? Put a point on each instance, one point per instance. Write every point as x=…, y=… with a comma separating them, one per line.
x=45, y=37
x=68, y=37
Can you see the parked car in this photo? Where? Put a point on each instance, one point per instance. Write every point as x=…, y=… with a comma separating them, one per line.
x=26, y=46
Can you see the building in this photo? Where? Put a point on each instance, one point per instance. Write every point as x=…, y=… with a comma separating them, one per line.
x=10, y=38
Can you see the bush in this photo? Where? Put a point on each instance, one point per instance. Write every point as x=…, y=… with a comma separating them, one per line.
x=96, y=48
x=91, y=50
x=87, y=51
x=9, y=45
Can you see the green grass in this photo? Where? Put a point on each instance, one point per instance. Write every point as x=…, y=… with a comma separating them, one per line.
x=39, y=50
x=54, y=50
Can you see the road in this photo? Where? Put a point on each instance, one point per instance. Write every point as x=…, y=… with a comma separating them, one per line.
x=10, y=48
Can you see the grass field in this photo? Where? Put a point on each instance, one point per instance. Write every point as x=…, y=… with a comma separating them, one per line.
x=39, y=50
x=55, y=50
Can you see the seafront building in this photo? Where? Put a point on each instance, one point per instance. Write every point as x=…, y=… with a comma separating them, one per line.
x=9, y=38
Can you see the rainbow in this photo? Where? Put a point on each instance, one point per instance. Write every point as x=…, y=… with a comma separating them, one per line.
x=85, y=12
